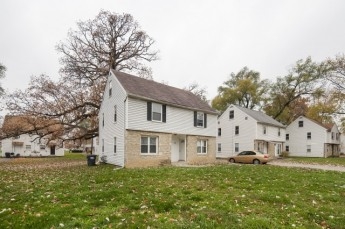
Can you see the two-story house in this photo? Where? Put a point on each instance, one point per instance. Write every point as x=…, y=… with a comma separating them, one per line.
x=242, y=129
x=308, y=138
x=26, y=141
x=146, y=123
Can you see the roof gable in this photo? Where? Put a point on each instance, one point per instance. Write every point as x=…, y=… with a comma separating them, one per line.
x=260, y=117
x=327, y=126
x=154, y=91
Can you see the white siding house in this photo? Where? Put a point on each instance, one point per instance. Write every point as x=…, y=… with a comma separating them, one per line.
x=26, y=144
x=242, y=129
x=145, y=123
x=308, y=138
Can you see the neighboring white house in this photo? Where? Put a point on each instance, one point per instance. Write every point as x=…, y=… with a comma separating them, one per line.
x=308, y=138
x=27, y=144
x=145, y=123
x=242, y=129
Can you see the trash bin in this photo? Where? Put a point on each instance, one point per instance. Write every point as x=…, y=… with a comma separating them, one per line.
x=91, y=159
x=7, y=155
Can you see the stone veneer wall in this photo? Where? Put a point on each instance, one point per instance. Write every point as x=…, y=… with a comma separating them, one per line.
x=193, y=158
x=133, y=157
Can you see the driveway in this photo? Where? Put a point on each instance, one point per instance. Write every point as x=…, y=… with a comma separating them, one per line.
x=281, y=162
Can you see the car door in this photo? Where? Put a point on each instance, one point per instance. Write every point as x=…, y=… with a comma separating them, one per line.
x=241, y=157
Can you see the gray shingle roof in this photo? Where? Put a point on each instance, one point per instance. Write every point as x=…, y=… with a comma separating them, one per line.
x=261, y=117
x=154, y=91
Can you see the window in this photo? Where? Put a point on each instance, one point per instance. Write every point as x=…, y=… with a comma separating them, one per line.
x=110, y=88
x=237, y=129
x=219, y=131
x=308, y=148
x=278, y=132
x=42, y=147
x=202, y=146
x=237, y=147
x=265, y=130
x=332, y=135
x=103, y=119
x=114, y=144
x=156, y=112
x=309, y=135
x=102, y=145
x=300, y=123
x=287, y=137
x=200, y=119
x=28, y=147
x=337, y=136
x=149, y=145
x=231, y=114
x=16, y=137
x=287, y=148
x=115, y=113
x=219, y=147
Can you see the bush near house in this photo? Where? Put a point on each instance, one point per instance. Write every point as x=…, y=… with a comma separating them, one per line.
x=65, y=192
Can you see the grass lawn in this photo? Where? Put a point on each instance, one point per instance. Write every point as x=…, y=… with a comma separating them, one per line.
x=70, y=194
x=322, y=161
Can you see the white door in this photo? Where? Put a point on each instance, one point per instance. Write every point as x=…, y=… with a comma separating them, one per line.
x=182, y=149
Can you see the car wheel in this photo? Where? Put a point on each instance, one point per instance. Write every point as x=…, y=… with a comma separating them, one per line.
x=256, y=162
x=231, y=160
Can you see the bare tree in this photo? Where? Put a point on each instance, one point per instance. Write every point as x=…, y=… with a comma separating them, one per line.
x=110, y=41
x=197, y=90
x=2, y=75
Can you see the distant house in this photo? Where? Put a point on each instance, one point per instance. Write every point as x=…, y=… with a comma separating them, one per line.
x=25, y=141
x=145, y=123
x=308, y=138
x=242, y=129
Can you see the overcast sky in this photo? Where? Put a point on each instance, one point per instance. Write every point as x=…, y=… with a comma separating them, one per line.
x=199, y=40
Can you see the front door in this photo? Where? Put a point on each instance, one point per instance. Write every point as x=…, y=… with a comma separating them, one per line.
x=52, y=150
x=182, y=149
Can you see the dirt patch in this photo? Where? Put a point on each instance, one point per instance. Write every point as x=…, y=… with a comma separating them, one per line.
x=309, y=166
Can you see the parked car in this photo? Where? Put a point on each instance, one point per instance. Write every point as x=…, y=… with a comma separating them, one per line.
x=250, y=157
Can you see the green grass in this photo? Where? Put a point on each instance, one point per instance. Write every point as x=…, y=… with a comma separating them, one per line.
x=224, y=196
x=322, y=161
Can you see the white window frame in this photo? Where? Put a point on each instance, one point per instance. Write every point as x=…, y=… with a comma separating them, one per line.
x=278, y=132
x=300, y=123
x=219, y=147
x=149, y=145
x=201, y=146
x=103, y=145
x=154, y=110
x=308, y=135
x=27, y=147
x=42, y=147
x=200, y=117
x=308, y=148
x=237, y=147
x=231, y=114
x=110, y=88
x=287, y=137
x=264, y=129
x=115, y=145
x=237, y=130
x=115, y=113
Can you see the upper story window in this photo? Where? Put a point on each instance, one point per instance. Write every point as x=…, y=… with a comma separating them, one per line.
x=110, y=88
x=332, y=135
x=265, y=130
x=278, y=132
x=300, y=123
x=156, y=112
x=237, y=129
x=149, y=145
x=337, y=136
x=219, y=131
x=102, y=119
x=202, y=146
x=287, y=136
x=309, y=135
x=115, y=113
x=231, y=114
x=200, y=119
